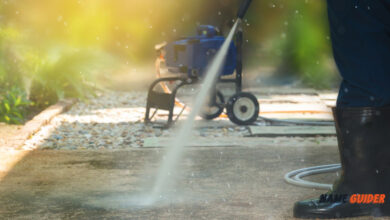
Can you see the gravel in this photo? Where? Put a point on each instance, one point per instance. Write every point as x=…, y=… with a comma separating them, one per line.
x=114, y=121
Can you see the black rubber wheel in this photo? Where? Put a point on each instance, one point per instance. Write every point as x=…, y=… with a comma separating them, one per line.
x=214, y=110
x=243, y=108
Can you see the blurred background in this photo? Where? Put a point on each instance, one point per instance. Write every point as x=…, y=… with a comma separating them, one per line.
x=52, y=49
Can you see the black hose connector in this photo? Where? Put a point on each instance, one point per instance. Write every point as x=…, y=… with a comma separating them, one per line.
x=244, y=8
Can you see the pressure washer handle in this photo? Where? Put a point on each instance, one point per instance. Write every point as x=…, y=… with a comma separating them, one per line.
x=244, y=8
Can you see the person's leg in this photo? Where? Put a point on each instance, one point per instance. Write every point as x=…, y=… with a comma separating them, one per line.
x=360, y=32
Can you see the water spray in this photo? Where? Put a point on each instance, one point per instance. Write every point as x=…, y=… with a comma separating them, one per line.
x=175, y=150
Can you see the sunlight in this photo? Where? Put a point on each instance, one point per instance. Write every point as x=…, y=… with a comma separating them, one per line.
x=10, y=156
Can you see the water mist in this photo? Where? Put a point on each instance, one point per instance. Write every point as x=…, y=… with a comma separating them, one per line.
x=176, y=148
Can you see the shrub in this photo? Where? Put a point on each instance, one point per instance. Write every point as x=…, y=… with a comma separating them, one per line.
x=64, y=75
x=13, y=106
x=306, y=46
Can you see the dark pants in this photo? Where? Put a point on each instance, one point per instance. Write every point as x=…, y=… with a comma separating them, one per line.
x=360, y=31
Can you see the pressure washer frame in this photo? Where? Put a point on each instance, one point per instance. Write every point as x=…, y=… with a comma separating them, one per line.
x=165, y=101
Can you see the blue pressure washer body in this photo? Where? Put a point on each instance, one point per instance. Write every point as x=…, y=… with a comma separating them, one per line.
x=187, y=59
x=192, y=55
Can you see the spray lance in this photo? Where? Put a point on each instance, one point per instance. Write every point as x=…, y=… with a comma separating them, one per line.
x=243, y=9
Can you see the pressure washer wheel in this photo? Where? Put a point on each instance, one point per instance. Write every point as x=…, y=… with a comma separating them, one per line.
x=215, y=108
x=243, y=108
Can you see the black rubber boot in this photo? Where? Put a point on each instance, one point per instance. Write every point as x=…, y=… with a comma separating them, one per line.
x=363, y=137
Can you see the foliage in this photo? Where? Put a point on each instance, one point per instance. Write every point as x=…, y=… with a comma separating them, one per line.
x=13, y=100
x=55, y=72
x=307, y=44
x=13, y=106
x=65, y=74
x=9, y=74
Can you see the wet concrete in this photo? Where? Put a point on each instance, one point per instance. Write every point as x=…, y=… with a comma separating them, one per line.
x=213, y=183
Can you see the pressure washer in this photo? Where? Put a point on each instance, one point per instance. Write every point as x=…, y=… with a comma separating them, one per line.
x=187, y=59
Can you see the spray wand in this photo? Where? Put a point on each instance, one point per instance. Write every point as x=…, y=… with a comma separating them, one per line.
x=244, y=8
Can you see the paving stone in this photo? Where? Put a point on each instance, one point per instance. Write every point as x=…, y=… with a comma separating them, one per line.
x=292, y=130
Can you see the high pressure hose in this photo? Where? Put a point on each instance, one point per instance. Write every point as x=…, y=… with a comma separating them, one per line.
x=295, y=177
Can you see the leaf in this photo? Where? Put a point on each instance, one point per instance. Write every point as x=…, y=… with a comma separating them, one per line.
x=16, y=120
x=7, y=107
x=18, y=101
x=17, y=114
x=7, y=119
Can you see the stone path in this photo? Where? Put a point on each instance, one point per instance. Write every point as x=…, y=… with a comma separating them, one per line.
x=114, y=120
